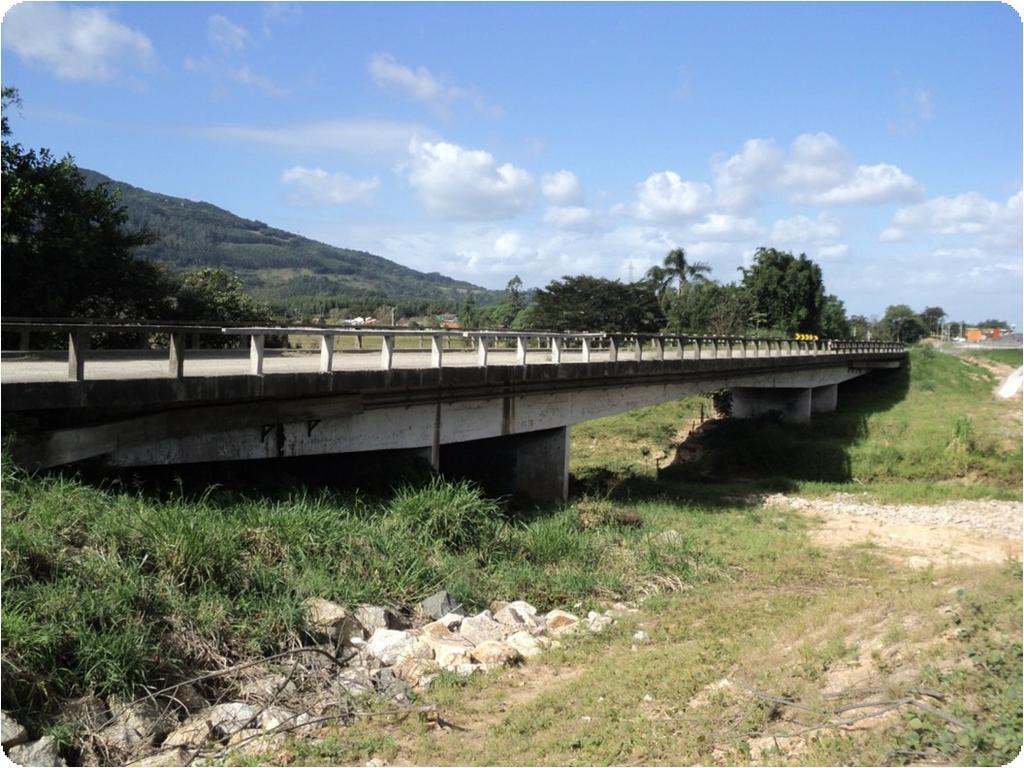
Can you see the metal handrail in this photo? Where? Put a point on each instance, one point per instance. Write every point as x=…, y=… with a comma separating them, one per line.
x=79, y=334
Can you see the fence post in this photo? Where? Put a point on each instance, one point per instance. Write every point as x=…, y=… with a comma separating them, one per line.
x=326, y=353
x=387, y=352
x=521, y=342
x=256, y=354
x=639, y=353
x=696, y=348
x=586, y=349
x=78, y=346
x=556, y=350
x=659, y=348
x=435, y=351
x=481, y=351
x=613, y=349
x=176, y=355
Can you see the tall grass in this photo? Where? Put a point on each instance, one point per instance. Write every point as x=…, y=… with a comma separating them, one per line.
x=106, y=590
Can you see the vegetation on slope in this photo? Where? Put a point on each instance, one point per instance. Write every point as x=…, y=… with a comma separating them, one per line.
x=280, y=267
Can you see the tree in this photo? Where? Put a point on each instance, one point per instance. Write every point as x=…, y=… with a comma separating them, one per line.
x=585, y=303
x=994, y=324
x=677, y=269
x=504, y=313
x=901, y=323
x=711, y=308
x=66, y=248
x=788, y=291
x=834, y=324
x=932, y=319
x=211, y=295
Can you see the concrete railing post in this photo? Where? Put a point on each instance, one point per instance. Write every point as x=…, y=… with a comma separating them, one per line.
x=586, y=349
x=728, y=347
x=326, y=353
x=521, y=350
x=435, y=351
x=556, y=350
x=481, y=351
x=256, y=342
x=176, y=355
x=359, y=341
x=659, y=348
x=638, y=354
x=387, y=352
x=78, y=347
x=696, y=349
x=613, y=349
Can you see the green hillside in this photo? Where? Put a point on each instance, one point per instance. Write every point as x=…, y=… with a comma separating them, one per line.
x=288, y=271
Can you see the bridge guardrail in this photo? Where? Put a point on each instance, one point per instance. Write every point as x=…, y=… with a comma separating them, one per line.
x=556, y=344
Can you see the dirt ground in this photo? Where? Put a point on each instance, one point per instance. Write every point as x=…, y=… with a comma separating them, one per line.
x=954, y=533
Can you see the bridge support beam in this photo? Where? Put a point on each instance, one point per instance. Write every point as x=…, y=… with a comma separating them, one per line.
x=793, y=404
x=824, y=399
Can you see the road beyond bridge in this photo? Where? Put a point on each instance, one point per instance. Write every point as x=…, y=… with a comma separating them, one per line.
x=501, y=401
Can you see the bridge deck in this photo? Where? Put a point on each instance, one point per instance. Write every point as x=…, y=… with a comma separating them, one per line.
x=116, y=365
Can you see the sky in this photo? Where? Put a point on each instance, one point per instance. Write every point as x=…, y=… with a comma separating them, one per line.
x=483, y=141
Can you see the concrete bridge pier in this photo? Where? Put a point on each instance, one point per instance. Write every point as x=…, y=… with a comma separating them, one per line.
x=824, y=399
x=792, y=403
x=530, y=465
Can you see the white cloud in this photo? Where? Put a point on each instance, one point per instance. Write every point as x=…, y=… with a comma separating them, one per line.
x=315, y=186
x=574, y=217
x=664, y=197
x=75, y=43
x=423, y=86
x=742, y=178
x=969, y=214
x=457, y=183
x=871, y=184
x=357, y=137
x=802, y=229
x=246, y=76
x=816, y=161
x=562, y=188
x=818, y=171
x=916, y=109
x=725, y=227
x=224, y=36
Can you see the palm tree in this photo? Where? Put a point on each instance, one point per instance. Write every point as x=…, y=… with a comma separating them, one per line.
x=677, y=269
x=659, y=279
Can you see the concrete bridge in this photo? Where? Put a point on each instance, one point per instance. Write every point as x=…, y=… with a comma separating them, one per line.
x=497, y=399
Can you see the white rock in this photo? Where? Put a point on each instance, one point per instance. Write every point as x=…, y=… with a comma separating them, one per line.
x=597, y=622
x=467, y=669
x=518, y=614
x=230, y=717
x=36, y=753
x=388, y=644
x=527, y=645
x=495, y=653
x=356, y=682
x=267, y=688
x=275, y=717
x=412, y=670
x=192, y=733
x=12, y=732
x=482, y=627
x=557, y=621
x=165, y=758
x=641, y=637
x=451, y=620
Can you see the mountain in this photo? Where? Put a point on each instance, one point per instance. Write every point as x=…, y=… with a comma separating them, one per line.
x=284, y=269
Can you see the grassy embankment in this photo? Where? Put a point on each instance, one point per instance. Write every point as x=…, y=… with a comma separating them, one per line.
x=108, y=590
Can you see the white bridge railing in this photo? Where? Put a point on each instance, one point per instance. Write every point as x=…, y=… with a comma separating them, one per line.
x=487, y=345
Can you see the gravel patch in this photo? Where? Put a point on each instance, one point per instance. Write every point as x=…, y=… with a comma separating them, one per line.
x=1005, y=518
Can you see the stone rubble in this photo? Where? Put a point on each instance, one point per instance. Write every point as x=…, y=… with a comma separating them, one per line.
x=381, y=654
